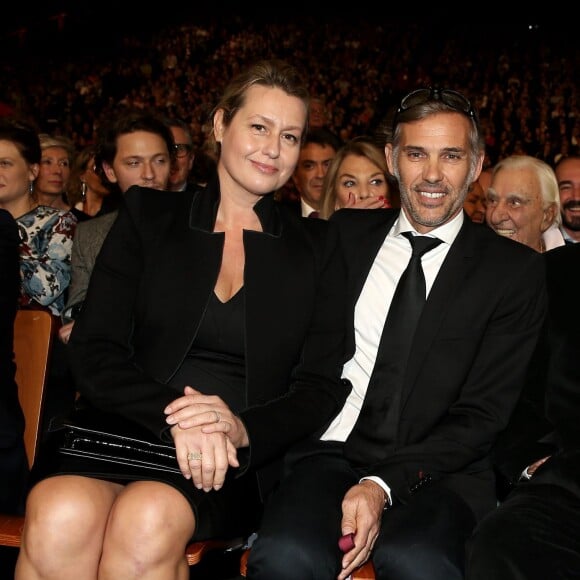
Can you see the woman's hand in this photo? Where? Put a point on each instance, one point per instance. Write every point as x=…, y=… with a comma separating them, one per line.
x=368, y=202
x=64, y=331
x=204, y=457
x=210, y=413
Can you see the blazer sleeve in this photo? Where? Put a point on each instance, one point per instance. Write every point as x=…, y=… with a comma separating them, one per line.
x=80, y=270
x=529, y=434
x=315, y=392
x=563, y=384
x=101, y=350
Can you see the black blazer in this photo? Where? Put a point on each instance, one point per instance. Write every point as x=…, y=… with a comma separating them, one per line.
x=530, y=434
x=473, y=344
x=13, y=460
x=148, y=293
x=563, y=377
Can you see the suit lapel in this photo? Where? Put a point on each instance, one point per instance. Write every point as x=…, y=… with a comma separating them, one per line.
x=363, y=236
x=179, y=244
x=363, y=249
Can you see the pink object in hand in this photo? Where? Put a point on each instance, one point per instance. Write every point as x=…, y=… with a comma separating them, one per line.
x=346, y=543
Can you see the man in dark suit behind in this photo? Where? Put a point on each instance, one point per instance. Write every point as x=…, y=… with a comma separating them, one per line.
x=13, y=461
x=534, y=534
x=413, y=502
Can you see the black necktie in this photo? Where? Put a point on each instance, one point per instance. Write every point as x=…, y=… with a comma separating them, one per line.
x=375, y=430
x=313, y=214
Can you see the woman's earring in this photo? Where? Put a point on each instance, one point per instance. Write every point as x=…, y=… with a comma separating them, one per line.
x=83, y=190
x=31, y=187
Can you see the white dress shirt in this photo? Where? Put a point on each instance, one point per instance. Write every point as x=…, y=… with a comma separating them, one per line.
x=305, y=208
x=371, y=312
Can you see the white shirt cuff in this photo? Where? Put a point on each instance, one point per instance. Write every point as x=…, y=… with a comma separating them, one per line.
x=383, y=486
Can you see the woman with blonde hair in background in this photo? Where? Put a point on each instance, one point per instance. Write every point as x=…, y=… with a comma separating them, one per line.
x=46, y=233
x=357, y=177
x=51, y=184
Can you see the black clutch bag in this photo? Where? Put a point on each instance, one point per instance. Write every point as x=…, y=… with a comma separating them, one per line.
x=109, y=439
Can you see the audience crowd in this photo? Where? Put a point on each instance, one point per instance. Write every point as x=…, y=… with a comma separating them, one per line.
x=523, y=83
x=523, y=86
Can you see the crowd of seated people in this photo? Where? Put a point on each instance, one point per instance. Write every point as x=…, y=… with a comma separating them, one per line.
x=526, y=105
x=523, y=85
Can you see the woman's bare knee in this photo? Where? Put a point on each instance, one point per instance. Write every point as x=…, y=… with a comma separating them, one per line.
x=150, y=526
x=65, y=520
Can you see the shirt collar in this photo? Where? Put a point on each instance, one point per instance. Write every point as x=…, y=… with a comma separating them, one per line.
x=305, y=208
x=446, y=232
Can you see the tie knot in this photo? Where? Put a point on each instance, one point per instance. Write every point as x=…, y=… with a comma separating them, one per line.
x=421, y=244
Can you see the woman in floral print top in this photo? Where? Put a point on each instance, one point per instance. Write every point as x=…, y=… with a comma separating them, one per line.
x=46, y=233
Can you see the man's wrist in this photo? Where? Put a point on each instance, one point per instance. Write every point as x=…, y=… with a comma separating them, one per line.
x=386, y=489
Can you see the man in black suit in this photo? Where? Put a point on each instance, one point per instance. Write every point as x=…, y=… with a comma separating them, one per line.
x=13, y=461
x=319, y=147
x=534, y=532
x=411, y=487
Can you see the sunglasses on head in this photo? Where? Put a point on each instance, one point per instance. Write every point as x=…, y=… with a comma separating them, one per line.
x=451, y=98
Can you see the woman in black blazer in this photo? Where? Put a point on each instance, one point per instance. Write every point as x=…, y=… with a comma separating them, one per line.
x=214, y=319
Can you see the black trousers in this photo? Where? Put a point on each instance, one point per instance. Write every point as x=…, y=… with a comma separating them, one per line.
x=533, y=535
x=298, y=537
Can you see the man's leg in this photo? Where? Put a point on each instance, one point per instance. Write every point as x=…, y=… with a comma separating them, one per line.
x=298, y=537
x=424, y=539
x=533, y=535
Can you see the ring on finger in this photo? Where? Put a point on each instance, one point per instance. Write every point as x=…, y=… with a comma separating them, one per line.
x=218, y=417
x=194, y=456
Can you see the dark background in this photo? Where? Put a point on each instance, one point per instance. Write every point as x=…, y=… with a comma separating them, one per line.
x=97, y=28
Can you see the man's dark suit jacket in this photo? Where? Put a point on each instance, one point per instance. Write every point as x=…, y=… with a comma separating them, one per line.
x=530, y=434
x=149, y=290
x=88, y=239
x=563, y=375
x=468, y=361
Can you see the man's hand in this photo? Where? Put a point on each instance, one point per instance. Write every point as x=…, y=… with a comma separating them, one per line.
x=362, y=510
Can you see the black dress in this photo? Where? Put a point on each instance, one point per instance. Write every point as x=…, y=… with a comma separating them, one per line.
x=215, y=365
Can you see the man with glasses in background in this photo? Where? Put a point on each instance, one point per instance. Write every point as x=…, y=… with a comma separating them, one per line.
x=402, y=474
x=184, y=155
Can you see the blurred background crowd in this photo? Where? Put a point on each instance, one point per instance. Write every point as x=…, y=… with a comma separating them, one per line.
x=66, y=70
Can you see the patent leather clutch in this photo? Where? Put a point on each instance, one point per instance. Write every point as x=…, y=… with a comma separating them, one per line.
x=112, y=439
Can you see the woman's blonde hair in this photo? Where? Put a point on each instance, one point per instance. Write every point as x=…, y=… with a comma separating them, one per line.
x=272, y=73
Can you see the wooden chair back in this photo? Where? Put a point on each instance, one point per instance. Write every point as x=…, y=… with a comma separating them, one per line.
x=33, y=332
